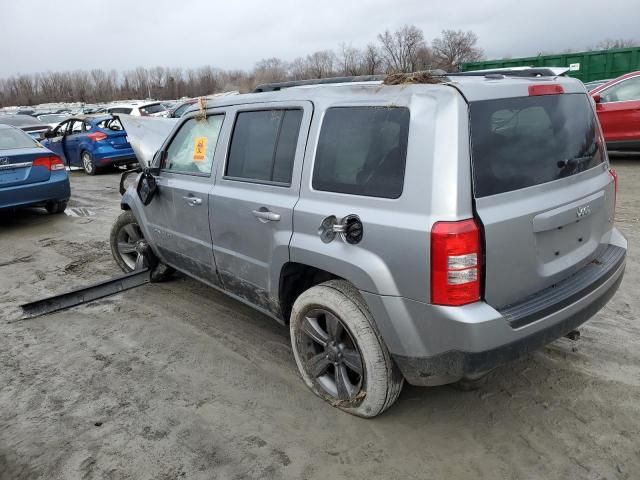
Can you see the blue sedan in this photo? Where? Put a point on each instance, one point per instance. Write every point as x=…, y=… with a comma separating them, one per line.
x=30, y=175
x=91, y=142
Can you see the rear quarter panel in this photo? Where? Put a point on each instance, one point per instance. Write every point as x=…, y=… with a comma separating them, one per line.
x=393, y=256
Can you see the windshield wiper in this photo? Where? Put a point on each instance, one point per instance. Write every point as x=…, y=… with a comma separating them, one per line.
x=573, y=162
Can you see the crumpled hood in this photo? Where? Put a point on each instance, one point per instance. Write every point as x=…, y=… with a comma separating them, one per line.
x=146, y=135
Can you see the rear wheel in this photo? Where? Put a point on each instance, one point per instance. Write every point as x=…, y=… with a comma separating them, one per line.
x=56, y=207
x=88, y=164
x=339, y=353
x=127, y=242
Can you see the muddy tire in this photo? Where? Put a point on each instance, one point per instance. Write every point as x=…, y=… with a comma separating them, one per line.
x=56, y=207
x=339, y=352
x=125, y=232
x=88, y=164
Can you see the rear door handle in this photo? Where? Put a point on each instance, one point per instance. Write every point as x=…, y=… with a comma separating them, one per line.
x=192, y=201
x=266, y=216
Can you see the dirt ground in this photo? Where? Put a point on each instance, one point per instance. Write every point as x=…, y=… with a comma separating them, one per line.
x=174, y=380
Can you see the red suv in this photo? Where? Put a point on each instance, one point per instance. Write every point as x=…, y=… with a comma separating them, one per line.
x=618, y=107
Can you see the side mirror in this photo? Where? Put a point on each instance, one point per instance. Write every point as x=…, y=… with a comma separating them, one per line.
x=49, y=134
x=597, y=98
x=147, y=188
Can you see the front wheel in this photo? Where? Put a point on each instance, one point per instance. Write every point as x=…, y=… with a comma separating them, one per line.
x=339, y=353
x=125, y=241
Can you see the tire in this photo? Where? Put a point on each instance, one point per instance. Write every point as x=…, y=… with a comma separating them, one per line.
x=470, y=384
x=88, y=164
x=122, y=232
x=380, y=382
x=56, y=207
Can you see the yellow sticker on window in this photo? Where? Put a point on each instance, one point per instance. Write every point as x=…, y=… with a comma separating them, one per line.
x=199, y=149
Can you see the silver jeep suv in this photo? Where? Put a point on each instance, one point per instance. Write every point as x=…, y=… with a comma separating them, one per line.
x=418, y=232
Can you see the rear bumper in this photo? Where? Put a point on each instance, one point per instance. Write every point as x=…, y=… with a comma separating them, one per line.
x=433, y=345
x=113, y=156
x=57, y=188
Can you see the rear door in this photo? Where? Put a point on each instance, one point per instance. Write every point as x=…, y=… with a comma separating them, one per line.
x=251, y=206
x=619, y=111
x=178, y=216
x=542, y=190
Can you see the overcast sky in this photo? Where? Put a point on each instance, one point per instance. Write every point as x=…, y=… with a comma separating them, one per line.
x=42, y=35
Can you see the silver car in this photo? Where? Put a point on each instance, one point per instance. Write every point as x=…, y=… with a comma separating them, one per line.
x=426, y=232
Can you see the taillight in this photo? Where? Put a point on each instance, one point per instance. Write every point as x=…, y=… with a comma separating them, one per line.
x=614, y=175
x=51, y=163
x=456, y=261
x=97, y=136
x=547, y=89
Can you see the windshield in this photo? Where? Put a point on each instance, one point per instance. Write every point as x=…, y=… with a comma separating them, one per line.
x=525, y=141
x=10, y=138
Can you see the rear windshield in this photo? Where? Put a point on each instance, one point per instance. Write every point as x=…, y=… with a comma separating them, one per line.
x=10, y=138
x=153, y=108
x=525, y=141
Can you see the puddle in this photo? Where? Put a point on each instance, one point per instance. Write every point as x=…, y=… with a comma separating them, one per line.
x=80, y=212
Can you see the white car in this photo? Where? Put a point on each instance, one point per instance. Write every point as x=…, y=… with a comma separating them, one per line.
x=52, y=119
x=140, y=109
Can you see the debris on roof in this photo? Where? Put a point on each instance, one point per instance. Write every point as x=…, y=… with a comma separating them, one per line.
x=408, y=78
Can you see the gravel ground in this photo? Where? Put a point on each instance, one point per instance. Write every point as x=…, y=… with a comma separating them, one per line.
x=175, y=380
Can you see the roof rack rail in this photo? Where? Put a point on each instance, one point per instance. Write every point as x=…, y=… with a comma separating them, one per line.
x=516, y=72
x=273, y=87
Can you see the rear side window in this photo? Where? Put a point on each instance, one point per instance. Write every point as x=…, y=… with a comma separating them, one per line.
x=625, y=91
x=263, y=145
x=192, y=149
x=153, y=108
x=124, y=110
x=526, y=141
x=362, y=151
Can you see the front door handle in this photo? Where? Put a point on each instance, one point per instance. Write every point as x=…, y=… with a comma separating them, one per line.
x=192, y=201
x=265, y=215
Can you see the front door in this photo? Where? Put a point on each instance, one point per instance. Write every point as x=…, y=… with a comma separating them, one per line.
x=178, y=216
x=71, y=142
x=251, y=205
x=56, y=142
x=619, y=111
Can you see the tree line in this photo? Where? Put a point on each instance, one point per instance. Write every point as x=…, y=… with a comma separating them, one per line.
x=402, y=50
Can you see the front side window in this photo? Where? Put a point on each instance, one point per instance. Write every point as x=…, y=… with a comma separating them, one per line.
x=362, y=151
x=625, y=91
x=192, y=149
x=263, y=145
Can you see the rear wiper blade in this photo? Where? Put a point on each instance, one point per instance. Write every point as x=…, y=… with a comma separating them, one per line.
x=572, y=162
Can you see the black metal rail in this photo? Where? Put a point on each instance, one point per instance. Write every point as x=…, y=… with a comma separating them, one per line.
x=87, y=294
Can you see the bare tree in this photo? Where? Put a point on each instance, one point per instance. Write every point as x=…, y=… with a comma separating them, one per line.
x=610, y=43
x=320, y=64
x=401, y=47
x=270, y=70
x=349, y=60
x=455, y=47
x=371, y=60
